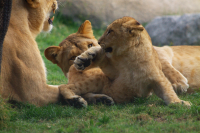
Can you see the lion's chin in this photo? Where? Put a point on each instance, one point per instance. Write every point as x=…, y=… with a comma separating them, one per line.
x=50, y=28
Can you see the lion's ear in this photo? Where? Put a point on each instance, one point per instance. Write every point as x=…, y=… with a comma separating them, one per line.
x=51, y=53
x=86, y=29
x=133, y=26
x=33, y=3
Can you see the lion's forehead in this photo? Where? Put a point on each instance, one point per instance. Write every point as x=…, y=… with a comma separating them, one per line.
x=81, y=41
x=74, y=47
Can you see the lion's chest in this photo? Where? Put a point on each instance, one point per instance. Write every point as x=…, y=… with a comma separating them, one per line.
x=135, y=84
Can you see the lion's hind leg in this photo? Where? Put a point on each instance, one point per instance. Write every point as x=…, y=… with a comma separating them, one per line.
x=178, y=81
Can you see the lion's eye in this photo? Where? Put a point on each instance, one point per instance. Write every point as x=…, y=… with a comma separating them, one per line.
x=109, y=31
x=90, y=45
x=73, y=58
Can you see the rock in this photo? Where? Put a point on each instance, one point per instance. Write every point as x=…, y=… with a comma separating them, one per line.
x=103, y=12
x=175, y=30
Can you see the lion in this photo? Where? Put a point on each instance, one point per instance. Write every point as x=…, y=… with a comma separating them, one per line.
x=86, y=84
x=186, y=60
x=127, y=57
x=23, y=72
x=90, y=80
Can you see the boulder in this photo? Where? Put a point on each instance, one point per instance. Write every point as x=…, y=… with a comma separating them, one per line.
x=103, y=12
x=175, y=30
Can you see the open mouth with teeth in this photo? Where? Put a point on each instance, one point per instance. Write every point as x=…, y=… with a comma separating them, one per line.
x=50, y=20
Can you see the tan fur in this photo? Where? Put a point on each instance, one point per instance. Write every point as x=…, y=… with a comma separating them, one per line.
x=82, y=82
x=23, y=76
x=79, y=83
x=186, y=59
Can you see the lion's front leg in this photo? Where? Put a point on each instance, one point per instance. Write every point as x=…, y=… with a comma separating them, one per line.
x=93, y=56
x=67, y=91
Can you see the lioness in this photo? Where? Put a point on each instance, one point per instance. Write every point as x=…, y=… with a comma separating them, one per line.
x=90, y=80
x=23, y=73
x=130, y=62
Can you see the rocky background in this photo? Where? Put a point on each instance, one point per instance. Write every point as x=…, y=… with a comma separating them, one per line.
x=164, y=30
x=175, y=30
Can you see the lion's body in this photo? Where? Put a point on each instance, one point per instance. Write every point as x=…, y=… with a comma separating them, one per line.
x=186, y=59
x=23, y=73
x=111, y=80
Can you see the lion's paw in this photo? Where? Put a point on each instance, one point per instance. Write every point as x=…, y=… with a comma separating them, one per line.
x=186, y=103
x=180, y=83
x=85, y=59
x=180, y=87
x=105, y=100
x=77, y=102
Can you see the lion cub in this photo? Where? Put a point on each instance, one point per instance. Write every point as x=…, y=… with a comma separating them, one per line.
x=130, y=63
x=87, y=83
x=89, y=80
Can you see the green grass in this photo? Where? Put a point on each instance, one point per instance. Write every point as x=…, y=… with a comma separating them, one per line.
x=144, y=115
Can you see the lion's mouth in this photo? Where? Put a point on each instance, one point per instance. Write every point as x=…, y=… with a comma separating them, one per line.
x=108, y=50
x=50, y=20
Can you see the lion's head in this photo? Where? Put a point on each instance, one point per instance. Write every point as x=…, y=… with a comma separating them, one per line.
x=42, y=10
x=120, y=32
x=75, y=44
x=34, y=14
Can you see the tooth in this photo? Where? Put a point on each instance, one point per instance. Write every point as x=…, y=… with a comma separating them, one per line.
x=52, y=18
x=54, y=11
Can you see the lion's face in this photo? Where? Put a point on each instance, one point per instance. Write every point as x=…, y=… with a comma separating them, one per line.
x=75, y=44
x=39, y=14
x=118, y=33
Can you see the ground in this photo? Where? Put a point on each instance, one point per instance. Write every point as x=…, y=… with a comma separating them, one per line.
x=143, y=115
